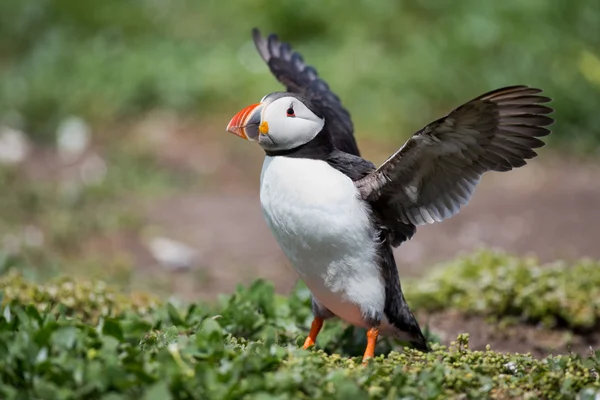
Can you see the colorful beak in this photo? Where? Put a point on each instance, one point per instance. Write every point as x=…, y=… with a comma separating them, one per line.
x=245, y=123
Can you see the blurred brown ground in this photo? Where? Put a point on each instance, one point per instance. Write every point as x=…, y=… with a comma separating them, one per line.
x=549, y=208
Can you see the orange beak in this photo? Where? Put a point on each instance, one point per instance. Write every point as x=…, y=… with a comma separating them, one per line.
x=246, y=122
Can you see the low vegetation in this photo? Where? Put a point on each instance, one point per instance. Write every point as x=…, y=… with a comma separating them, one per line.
x=509, y=288
x=67, y=339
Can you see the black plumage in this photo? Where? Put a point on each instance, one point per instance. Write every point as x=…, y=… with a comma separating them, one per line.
x=436, y=171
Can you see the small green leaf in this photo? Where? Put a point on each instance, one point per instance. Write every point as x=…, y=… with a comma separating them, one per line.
x=109, y=346
x=33, y=313
x=210, y=328
x=174, y=315
x=65, y=336
x=135, y=328
x=47, y=390
x=7, y=314
x=42, y=337
x=158, y=391
x=112, y=327
x=42, y=355
x=171, y=335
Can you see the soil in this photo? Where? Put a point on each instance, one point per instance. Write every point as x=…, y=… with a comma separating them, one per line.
x=518, y=338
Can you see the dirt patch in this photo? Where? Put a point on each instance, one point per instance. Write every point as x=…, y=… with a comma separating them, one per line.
x=234, y=244
x=520, y=338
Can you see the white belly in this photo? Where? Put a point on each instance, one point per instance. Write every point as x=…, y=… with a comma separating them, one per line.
x=323, y=228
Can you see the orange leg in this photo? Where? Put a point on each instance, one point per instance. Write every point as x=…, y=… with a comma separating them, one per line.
x=371, y=342
x=315, y=328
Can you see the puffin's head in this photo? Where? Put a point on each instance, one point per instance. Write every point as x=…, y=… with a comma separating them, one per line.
x=281, y=121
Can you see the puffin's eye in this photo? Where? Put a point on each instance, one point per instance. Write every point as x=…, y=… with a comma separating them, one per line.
x=290, y=112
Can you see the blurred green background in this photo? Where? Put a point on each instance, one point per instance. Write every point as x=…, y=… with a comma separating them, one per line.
x=112, y=113
x=394, y=63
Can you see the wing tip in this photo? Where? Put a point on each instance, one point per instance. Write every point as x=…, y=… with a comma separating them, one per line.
x=514, y=91
x=262, y=45
x=519, y=98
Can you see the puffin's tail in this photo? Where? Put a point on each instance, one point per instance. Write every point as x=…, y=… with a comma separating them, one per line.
x=402, y=324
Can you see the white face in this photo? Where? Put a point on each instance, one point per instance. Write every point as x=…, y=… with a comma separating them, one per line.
x=289, y=123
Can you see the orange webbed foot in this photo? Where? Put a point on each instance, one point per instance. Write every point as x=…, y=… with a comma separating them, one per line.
x=372, y=335
x=315, y=328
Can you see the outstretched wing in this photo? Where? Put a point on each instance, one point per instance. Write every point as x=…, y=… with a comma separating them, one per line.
x=436, y=171
x=289, y=69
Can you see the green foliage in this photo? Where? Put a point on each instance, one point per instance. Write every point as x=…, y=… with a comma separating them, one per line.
x=84, y=300
x=396, y=64
x=221, y=353
x=507, y=287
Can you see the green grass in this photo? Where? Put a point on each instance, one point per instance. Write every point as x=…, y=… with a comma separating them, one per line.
x=509, y=288
x=69, y=340
x=397, y=65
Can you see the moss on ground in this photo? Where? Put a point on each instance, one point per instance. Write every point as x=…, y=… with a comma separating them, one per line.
x=85, y=300
x=69, y=339
x=516, y=289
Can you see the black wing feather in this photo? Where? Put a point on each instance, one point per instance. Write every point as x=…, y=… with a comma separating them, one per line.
x=437, y=170
x=289, y=68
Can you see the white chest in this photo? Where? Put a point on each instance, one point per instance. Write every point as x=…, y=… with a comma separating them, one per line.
x=323, y=228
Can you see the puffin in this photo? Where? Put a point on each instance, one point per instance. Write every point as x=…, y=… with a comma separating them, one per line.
x=337, y=217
